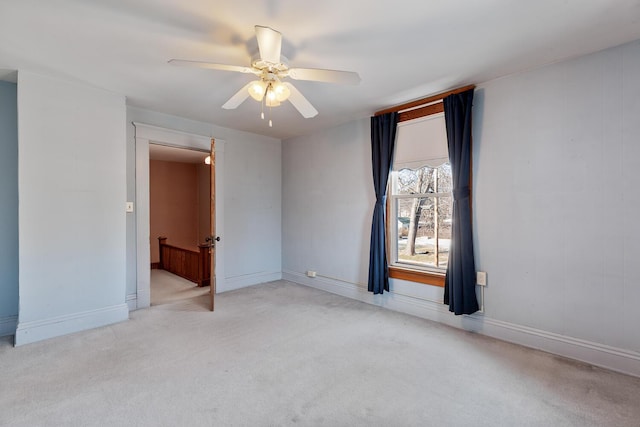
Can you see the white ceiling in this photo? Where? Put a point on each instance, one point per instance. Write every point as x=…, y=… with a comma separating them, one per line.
x=402, y=49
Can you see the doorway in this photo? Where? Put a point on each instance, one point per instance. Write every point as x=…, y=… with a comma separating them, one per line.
x=180, y=223
x=146, y=136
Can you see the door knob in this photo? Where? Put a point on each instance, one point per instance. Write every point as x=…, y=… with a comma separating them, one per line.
x=211, y=239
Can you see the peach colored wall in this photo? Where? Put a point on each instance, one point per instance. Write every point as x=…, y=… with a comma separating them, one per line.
x=173, y=200
x=204, y=201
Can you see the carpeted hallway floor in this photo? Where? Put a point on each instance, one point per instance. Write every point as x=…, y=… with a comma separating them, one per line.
x=284, y=354
x=167, y=288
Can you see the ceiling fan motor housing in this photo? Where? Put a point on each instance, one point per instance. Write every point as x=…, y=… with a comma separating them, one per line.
x=280, y=69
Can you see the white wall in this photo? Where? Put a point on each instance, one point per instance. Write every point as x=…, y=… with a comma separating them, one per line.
x=556, y=156
x=557, y=203
x=8, y=208
x=71, y=207
x=253, y=206
x=252, y=200
x=328, y=201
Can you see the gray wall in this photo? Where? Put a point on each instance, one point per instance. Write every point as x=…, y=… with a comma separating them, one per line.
x=328, y=199
x=8, y=207
x=557, y=155
x=556, y=210
x=71, y=179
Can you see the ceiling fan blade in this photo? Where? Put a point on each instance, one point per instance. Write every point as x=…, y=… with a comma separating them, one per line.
x=300, y=102
x=212, y=66
x=320, y=75
x=238, y=98
x=269, y=44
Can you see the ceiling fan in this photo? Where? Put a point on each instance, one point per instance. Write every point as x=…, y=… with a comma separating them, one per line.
x=272, y=68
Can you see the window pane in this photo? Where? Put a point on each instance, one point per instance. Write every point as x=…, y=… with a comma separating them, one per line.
x=445, y=183
x=445, y=210
x=424, y=230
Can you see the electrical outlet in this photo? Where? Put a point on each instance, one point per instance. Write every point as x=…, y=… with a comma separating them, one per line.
x=311, y=273
x=481, y=278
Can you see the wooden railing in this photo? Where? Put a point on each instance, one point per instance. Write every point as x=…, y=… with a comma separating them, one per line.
x=193, y=266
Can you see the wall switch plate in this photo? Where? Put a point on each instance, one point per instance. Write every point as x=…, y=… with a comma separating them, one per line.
x=481, y=278
x=311, y=273
x=129, y=207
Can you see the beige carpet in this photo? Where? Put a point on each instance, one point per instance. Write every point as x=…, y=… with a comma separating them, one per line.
x=168, y=288
x=284, y=354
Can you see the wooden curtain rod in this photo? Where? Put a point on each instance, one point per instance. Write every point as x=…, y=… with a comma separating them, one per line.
x=424, y=101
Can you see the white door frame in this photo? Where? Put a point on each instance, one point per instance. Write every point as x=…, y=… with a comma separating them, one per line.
x=146, y=134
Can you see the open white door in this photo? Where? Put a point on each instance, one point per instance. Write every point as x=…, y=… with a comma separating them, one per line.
x=214, y=238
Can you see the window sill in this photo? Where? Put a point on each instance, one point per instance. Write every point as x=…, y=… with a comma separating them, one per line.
x=427, y=278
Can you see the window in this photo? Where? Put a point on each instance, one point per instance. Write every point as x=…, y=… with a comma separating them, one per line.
x=420, y=201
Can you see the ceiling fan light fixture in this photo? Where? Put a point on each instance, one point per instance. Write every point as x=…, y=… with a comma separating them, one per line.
x=281, y=91
x=271, y=98
x=269, y=102
x=257, y=90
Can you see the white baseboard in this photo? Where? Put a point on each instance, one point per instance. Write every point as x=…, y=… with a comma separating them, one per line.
x=132, y=301
x=237, y=282
x=28, y=332
x=8, y=325
x=597, y=354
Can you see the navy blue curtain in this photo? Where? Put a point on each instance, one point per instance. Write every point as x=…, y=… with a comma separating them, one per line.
x=383, y=139
x=460, y=280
